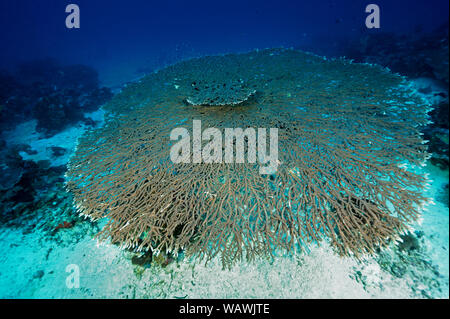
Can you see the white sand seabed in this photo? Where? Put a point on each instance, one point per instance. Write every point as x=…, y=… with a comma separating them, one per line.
x=105, y=272
x=435, y=224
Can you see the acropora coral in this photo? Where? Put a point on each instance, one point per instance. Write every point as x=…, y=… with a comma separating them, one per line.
x=349, y=137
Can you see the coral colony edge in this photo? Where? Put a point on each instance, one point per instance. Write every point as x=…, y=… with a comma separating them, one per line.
x=349, y=148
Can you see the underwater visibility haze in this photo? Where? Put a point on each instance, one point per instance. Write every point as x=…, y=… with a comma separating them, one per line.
x=235, y=149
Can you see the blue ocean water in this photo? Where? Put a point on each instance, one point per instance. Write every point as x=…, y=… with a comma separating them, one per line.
x=115, y=29
x=54, y=80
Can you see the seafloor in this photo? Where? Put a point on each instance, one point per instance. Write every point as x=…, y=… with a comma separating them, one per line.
x=36, y=252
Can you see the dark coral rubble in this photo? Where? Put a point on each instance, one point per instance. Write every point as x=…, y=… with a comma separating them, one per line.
x=57, y=96
x=31, y=186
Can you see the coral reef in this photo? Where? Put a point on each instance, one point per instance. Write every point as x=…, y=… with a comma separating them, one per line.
x=437, y=132
x=11, y=167
x=223, y=93
x=51, y=73
x=56, y=95
x=409, y=260
x=421, y=55
x=55, y=112
x=346, y=132
x=36, y=203
x=35, y=189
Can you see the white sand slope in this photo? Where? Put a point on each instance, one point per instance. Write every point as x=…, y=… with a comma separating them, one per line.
x=106, y=272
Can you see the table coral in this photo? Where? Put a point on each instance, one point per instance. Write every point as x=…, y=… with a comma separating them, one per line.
x=349, y=135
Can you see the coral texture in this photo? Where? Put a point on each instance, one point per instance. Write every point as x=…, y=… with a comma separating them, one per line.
x=215, y=94
x=345, y=132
